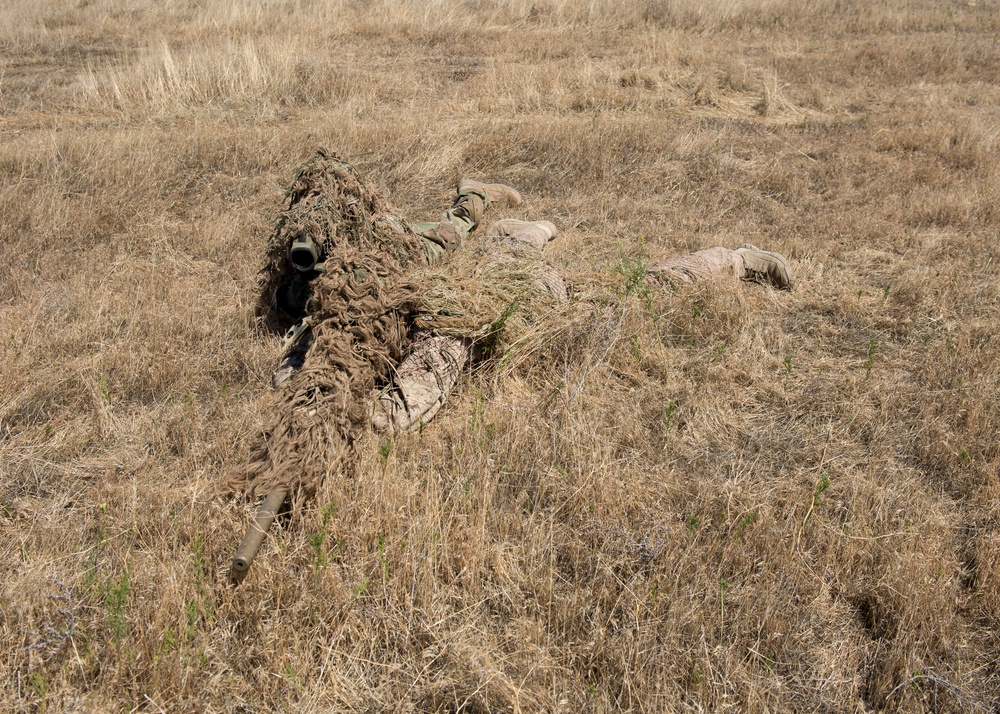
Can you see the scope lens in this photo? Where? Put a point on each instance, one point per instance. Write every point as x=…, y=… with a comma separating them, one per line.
x=304, y=253
x=303, y=257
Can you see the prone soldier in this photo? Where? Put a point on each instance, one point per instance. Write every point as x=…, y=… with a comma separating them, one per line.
x=423, y=380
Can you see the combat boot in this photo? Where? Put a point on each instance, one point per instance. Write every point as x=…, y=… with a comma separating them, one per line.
x=494, y=191
x=762, y=266
x=534, y=233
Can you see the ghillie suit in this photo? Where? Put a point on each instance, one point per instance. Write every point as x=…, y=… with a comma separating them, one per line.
x=487, y=304
x=368, y=301
x=499, y=282
x=353, y=225
x=359, y=307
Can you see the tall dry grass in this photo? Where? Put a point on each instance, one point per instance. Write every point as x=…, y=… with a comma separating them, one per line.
x=719, y=498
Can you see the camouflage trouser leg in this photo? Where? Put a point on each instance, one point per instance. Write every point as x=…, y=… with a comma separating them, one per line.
x=697, y=266
x=523, y=241
x=427, y=376
x=448, y=233
x=422, y=383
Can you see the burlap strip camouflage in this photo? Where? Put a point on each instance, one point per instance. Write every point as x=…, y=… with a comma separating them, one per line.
x=376, y=295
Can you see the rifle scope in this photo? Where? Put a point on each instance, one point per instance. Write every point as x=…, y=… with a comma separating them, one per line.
x=304, y=253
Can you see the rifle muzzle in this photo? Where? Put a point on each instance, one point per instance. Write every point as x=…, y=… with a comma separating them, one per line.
x=304, y=253
x=255, y=536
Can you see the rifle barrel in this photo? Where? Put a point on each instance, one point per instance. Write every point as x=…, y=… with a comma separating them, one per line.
x=258, y=529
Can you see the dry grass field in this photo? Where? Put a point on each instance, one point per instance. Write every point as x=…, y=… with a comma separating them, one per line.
x=721, y=498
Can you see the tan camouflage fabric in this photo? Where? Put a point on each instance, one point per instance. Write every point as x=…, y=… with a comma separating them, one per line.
x=700, y=265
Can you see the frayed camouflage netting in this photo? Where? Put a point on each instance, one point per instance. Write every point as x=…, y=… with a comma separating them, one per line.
x=359, y=309
x=488, y=286
x=375, y=292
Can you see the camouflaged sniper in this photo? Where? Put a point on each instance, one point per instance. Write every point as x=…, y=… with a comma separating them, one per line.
x=343, y=259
